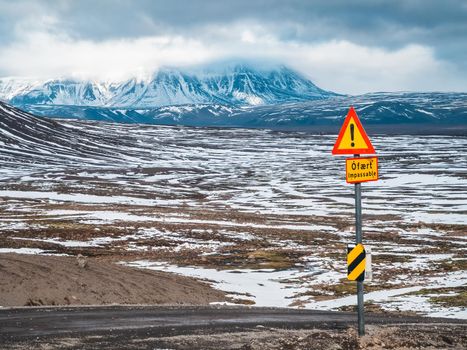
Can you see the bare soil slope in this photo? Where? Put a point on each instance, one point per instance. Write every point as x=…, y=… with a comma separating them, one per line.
x=27, y=280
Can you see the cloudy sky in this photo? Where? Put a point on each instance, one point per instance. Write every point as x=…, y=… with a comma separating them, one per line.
x=345, y=46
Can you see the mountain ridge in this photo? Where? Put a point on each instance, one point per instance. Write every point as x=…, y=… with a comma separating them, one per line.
x=416, y=113
x=235, y=96
x=238, y=85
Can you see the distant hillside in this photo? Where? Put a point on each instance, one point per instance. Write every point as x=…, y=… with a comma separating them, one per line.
x=28, y=139
x=417, y=113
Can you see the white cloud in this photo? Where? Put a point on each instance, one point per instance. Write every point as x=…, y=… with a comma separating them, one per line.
x=346, y=67
x=46, y=55
x=340, y=66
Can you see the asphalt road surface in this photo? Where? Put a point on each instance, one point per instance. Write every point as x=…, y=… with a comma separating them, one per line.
x=23, y=325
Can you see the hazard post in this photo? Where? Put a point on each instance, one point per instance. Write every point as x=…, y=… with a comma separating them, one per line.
x=352, y=139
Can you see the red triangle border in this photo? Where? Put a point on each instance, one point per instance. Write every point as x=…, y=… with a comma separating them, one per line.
x=369, y=150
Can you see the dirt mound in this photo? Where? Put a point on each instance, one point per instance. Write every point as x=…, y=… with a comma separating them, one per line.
x=33, y=280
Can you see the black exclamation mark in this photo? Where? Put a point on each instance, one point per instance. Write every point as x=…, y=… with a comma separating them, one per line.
x=352, y=135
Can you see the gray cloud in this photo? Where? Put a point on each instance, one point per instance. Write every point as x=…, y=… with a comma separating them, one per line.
x=373, y=22
x=388, y=25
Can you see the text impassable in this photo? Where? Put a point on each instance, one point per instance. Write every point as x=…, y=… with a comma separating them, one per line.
x=361, y=169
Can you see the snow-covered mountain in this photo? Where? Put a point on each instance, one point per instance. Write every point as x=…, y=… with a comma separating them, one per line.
x=235, y=85
x=235, y=95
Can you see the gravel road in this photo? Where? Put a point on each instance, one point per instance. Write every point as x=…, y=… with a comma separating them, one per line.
x=205, y=327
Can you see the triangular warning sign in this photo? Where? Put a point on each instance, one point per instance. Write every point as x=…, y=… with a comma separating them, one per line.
x=352, y=138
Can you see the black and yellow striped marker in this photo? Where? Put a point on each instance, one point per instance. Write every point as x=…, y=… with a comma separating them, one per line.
x=356, y=263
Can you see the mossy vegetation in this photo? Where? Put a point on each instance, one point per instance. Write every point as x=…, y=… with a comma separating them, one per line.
x=447, y=297
x=369, y=307
x=341, y=289
x=452, y=265
x=270, y=259
x=390, y=258
x=456, y=300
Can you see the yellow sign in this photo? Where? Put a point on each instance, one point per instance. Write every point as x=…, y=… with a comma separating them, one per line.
x=356, y=261
x=361, y=169
x=352, y=138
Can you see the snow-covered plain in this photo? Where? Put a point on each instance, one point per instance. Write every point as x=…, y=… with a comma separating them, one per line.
x=202, y=202
x=252, y=170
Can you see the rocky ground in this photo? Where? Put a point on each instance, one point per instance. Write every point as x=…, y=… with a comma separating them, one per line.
x=377, y=337
x=404, y=337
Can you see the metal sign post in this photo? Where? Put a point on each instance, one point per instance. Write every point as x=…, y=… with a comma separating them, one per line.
x=358, y=230
x=352, y=139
